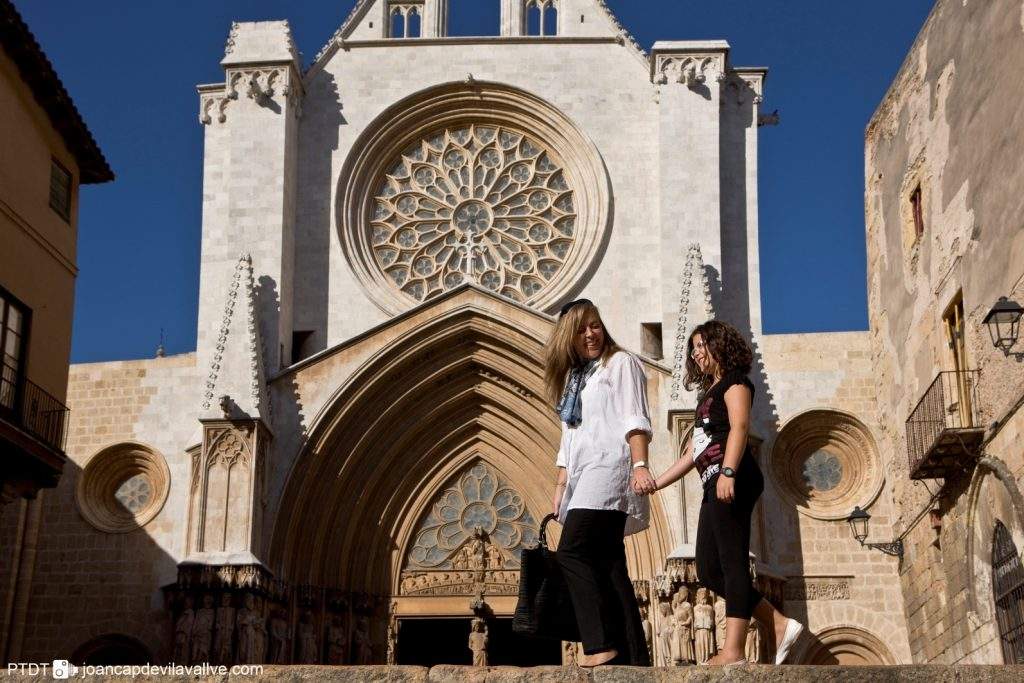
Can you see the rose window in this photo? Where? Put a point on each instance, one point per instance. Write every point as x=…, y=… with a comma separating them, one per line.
x=134, y=493
x=478, y=501
x=484, y=204
x=823, y=471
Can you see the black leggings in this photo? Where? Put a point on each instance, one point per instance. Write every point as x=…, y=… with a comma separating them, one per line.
x=723, y=541
x=592, y=557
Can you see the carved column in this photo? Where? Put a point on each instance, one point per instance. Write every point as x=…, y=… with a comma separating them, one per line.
x=513, y=17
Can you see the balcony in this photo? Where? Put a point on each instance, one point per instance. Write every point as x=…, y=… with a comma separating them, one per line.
x=944, y=430
x=33, y=431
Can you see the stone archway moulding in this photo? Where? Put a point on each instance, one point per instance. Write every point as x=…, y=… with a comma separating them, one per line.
x=847, y=644
x=467, y=383
x=401, y=132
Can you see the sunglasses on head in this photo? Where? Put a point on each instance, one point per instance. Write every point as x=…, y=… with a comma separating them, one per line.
x=573, y=304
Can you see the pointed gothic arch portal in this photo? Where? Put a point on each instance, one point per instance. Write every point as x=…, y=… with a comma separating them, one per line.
x=431, y=469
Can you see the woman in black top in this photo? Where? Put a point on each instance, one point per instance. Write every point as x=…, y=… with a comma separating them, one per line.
x=718, y=362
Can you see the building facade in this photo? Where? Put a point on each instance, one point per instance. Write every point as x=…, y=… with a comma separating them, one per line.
x=945, y=244
x=346, y=468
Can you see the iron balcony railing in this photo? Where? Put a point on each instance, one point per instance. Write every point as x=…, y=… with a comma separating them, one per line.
x=33, y=410
x=949, y=406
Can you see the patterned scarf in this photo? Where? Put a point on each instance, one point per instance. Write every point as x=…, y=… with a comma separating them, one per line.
x=570, y=408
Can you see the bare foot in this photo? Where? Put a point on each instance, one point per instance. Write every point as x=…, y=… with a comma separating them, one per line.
x=599, y=658
x=725, y=657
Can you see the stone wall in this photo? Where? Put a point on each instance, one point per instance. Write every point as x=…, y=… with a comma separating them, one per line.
x=942, y=128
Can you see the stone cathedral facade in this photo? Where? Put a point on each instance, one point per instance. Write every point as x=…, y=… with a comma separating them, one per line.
x=346, y=467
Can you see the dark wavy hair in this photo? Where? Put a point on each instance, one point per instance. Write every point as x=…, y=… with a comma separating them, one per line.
x=725, y=344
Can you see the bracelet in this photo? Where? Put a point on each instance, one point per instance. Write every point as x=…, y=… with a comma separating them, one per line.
x=638, y=464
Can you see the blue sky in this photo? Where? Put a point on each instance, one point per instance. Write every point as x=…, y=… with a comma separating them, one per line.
x=132, y=66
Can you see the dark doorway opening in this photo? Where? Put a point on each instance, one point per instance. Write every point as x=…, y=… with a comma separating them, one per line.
x=429, y=642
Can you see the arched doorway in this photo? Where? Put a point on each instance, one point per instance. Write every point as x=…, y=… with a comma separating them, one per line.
x=110, y=650
x=458, y=397
x=847, y=646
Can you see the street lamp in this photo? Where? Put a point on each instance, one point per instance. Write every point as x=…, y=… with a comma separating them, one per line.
x=858, y=521
x=1003, y=323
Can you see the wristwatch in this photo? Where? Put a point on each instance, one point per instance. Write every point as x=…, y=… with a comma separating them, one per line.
x=639, y=463
x=728, y=472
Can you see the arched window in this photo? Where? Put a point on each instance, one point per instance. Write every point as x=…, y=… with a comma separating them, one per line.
x=397, y=23
x=1008, y=592
x=412, y=24
x=534, y=19
x=551, y=19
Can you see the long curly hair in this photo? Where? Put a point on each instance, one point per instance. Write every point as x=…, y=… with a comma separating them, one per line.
x=725, y=344
x=560, y=355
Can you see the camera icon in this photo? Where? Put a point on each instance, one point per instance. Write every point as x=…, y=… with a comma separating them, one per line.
x=62, y=668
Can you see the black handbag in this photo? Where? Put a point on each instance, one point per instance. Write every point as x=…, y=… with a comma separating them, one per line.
x=544, y=608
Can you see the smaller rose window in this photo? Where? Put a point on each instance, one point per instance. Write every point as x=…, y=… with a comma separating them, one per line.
x=823, y=471
x=134, y=493
x=484, y=204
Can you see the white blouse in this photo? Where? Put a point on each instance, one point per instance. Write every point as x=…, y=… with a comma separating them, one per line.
x=596, y=455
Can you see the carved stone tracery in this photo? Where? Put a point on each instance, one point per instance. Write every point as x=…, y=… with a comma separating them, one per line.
x=485, y=204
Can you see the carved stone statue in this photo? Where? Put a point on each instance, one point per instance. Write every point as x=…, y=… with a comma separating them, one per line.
x=666, y=634
x=682, y=621
x=337, y=641
x=753, y=649
x=363, y=642
x=494, y=558
x=202, y=632
x=309, y=648
x=392, y=653
x=247, y=619
x=478, y=641
x=568, y=653
x=224, y=639
x=183, y=629
x=720, y=622
x=260, y=628
x=645, y=613
x=704, y=625
x=279, y=637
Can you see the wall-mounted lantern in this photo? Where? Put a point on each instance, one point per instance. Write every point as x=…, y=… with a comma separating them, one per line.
x=859, y=521
x=1003, y=323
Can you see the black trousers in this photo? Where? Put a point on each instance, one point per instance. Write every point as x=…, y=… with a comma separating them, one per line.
x=592, y=557
x=723, y=541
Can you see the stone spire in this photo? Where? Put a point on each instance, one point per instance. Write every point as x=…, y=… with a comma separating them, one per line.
x=237, y=367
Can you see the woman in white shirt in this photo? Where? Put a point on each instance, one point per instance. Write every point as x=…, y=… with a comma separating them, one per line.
x=600, y=393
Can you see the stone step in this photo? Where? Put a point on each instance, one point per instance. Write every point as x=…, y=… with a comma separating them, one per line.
x=565, y=674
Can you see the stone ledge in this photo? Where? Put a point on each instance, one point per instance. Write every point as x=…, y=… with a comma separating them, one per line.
x=611, y=674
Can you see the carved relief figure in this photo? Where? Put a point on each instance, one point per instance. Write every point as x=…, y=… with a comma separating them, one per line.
x=568, y=653
x=260, y=631
x=337, y=641
x=666, y=633
x=704, y=624
x=363, y=641
x=224, y=639
x=753, y=650
x=183, y=628
x=648, y=630
x=478, y=641
x=202, y=633
x=279, y=637
x=247, y=631
x=309, y=648
x=720, y=622
x=682, y=620
x=494, y=558
x=392, y=653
